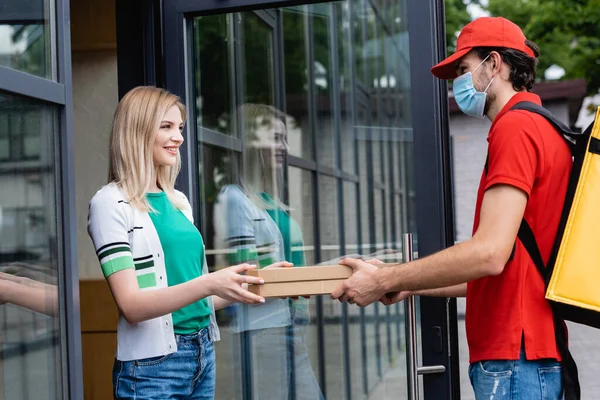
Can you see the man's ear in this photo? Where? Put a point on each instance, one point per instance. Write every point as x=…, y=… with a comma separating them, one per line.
x=496, y=61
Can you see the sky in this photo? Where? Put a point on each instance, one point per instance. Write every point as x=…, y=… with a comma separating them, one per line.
x=476, y=11
x=6, y=44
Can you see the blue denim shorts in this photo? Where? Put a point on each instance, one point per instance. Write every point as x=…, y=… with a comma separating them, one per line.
x=517, y=379
x=187, y=374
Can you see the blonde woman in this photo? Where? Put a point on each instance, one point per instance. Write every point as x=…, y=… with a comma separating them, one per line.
x=152, y=256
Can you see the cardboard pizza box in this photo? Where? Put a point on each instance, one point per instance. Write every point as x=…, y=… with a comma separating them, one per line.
x=300, y=288
x=308, y=273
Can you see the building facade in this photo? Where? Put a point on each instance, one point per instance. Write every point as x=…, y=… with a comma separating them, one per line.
x=367, y=162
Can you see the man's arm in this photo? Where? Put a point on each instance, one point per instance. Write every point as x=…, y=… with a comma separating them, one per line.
x=485, y=254
x=450, y=291
x=459, y=290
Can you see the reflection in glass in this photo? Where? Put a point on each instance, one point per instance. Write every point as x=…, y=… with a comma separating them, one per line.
x=29, y=329
x=296, y=80
x=257, y=60
x=260, y=205
x=332, y=309
x=212, y=77
x=254, y=224
x=343, y=24
x=321, y=26
x=359, y=8
x=25, y=37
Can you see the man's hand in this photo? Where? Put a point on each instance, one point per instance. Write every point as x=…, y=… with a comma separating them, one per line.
x=363, y=287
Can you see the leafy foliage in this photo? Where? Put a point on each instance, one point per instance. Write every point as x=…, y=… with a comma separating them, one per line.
x=567, y=32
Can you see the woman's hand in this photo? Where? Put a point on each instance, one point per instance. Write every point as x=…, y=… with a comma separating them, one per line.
x=227, y=284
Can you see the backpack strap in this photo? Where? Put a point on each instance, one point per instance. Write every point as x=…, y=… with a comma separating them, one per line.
x=551, y=118
x=570, y=374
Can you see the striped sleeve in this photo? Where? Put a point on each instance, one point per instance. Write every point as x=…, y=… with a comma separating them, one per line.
x=107, y=227
x=239, y=225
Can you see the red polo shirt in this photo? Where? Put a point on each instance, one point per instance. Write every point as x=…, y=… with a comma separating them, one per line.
x=526, y=152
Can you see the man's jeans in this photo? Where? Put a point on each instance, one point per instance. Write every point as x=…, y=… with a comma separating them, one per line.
x=188, y=374
x=517, y=379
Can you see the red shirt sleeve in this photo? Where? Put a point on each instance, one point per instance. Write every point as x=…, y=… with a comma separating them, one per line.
x=514, y=152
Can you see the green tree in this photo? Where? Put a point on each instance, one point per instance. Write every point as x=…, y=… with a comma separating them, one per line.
x=567, y=32
x=457, y=17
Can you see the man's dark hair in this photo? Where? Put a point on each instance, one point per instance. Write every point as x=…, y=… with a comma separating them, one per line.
x=523, y=67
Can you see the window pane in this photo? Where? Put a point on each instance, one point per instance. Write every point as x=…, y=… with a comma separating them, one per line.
x=21, y=124
x=301, y=189
x=348, y=142
x=332, y=310
x=359, y=8
x=258, y=203
x=213, y=73
x=26, y=40
x=322, y=83
x=257, y=60
x=296, y=80
x=30, y=364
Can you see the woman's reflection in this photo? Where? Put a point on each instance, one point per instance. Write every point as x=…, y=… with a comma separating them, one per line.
x=252, y=220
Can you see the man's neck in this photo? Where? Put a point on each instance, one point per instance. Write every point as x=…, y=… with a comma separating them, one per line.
x=501, y=100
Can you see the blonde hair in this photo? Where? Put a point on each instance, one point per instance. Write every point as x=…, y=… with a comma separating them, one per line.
x=255, y=171
x=135, y=125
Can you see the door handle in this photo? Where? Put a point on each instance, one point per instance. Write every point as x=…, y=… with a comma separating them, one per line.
x=432, y=369
x=411, y=334
x=411, y=331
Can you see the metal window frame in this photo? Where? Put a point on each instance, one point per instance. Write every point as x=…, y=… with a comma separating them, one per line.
x=59, y=93
x=433, y=189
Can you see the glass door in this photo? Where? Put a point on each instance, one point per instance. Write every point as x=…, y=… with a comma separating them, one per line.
x=301, y=147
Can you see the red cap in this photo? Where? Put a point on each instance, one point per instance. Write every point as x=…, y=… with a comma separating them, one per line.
x=483, y=32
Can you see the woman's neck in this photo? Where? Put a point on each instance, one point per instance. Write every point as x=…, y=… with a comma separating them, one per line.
x=154, y=188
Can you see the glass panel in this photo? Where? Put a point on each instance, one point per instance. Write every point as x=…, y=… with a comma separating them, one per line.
x=30, y=337
x=218, y=170
x=371, y=49
x=396, y=154
x=325, y=136
x=258, y=207
x=332, y=309
x=272, y=349
x=20, y=133
x=375, y=139
x=257, y=58
x=296, y=80
x=361, y=130
x=213, y=69
x=300, y=187
x=371, y=345
x=359, y=31
x=26, y=37
x=348, y=142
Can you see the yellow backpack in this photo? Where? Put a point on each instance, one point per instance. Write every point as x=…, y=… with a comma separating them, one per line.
x=572, y=275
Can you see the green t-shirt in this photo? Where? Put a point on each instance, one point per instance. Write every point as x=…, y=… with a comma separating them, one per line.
x=291, y=232
x=184, y=256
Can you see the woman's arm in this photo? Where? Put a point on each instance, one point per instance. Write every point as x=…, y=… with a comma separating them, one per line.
x=38, y=297
x=137, y=305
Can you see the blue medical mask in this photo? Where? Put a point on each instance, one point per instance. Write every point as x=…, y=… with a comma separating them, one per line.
x=468, y=99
